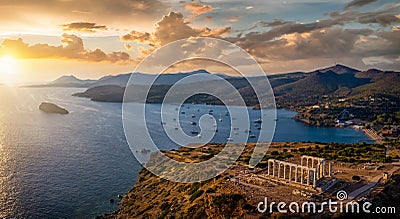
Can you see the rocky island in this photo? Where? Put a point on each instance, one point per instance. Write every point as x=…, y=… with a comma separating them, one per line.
x=52, y=108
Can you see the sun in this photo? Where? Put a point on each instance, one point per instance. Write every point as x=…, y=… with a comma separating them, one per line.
x=8, y=68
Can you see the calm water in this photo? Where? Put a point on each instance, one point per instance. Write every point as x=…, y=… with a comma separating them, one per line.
x=70, y=166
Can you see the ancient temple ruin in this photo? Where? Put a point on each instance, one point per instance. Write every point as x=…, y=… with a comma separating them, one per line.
x=310, y=170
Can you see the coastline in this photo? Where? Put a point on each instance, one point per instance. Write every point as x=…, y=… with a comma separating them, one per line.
x=373, y=135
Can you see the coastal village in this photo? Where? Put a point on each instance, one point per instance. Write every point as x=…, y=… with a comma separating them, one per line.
x=377, y=116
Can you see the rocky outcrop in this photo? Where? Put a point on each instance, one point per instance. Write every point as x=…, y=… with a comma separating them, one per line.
x=52, y=108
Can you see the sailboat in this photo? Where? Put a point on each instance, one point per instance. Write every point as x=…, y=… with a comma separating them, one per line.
x=220, y=118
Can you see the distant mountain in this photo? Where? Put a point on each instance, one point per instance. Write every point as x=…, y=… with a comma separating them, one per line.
x=145, y=79
x=339, y=69
x=322, y=82
x=122, y=79
x=291, y=90
x=67, y=81
x=118, y=80
x=71, y=80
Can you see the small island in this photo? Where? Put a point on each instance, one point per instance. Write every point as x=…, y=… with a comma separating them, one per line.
x=52, y=108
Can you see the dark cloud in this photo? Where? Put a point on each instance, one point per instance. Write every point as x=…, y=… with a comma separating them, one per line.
x=83, y=27
x=383, y=18
x=273, y=23
x=72, y=48
x=358, y=3
x=291, y=41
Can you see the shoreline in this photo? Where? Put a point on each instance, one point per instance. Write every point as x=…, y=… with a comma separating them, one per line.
x=373, y=135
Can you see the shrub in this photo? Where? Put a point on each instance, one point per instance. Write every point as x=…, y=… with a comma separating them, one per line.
x=195, y=195
x=356, y=178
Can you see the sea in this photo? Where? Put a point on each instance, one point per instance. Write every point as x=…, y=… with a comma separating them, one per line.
x=76, y=165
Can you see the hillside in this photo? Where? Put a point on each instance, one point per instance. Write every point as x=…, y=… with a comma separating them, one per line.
x=237, y=191
x=291, y=90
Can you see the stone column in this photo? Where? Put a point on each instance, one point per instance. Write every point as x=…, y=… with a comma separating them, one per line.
x=308, y=176
x=279, y=170
x=295, y=174
x=270, y=168
x=314, y=179
x=323, y=168
x=312, y=162
x=330, y=169
x=290, y=172
x=273, y=168
x=284, y=171
x=302, y=175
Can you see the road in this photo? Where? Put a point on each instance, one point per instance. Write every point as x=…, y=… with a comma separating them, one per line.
x=374, y=181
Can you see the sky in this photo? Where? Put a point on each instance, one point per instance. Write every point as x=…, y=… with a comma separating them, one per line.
x=45, y=39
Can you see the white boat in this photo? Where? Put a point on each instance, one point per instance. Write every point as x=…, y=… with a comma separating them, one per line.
x=258, y=121
x=229, y=139
x=220, y=118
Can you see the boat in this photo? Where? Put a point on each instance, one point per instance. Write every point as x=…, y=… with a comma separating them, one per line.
x=252, y=136
x=183, y=113
x=193, y=115
x=193, y=123
x=194, y=132
x=220, y=118
x=258, y=121
x=198, y=136
x=229, y=139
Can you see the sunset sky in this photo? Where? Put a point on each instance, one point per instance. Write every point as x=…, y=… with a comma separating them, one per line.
x=42, y=40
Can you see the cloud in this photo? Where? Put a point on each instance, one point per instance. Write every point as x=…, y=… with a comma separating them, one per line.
x=170, y=28
x=72, y=48
x=358, y=3
x=83, y=27
x=198, y=9
x=285, y=42
x=137, y=36
x=128, y=47
x=49, y=14
x=383, y=18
